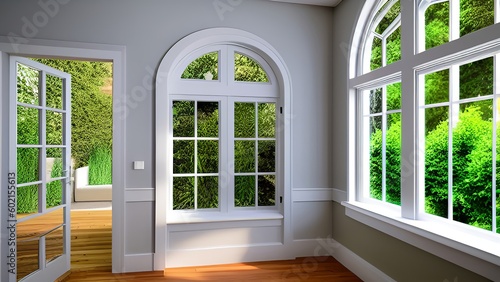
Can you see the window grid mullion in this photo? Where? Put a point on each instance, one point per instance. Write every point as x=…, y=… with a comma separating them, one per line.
x=454, y=112
x=195, y=154
x=384, y=143
x=256, y=148
x=496, y=88
x=493, y=165
x=454, y=20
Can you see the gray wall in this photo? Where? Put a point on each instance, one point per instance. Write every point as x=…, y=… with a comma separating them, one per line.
x=301, y=34
x=397, y=259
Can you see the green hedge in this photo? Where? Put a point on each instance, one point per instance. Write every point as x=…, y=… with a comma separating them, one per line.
x=472, y=168
x=91, y=124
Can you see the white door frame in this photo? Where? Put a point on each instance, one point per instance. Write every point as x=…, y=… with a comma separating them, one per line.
x=82, y=51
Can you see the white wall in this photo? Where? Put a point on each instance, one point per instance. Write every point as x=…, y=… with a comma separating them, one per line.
x=303, y=36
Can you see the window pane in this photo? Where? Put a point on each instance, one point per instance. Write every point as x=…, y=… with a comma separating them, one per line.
x=204, y=67
x=54, y=128
x=27, y=85
x=247, y=69
x=244, y=191
x=376, y=101
x=244, y=120
x=54, y=244
x=436, y=162
x=476, y=79
x=393, y=159
x=267, y=120
x=475, y=15
x=208, y=192
x=386, y=32
x=394, y=96
x=27, y=165
x=27, y=199
x=208, y=119
x=54, y=92
x=376, y=157
x=183, y=156
x=472, y=165
x=54, y=193
x=208, y=156
x=27, y=125
x=267, y=190
x=394, y=46
x=437, y=87
x=497, y=176
x=389, y=17
x=183, y=193
x=267, y=155
x=244, y=156
x=376, y=55
x=183, y=118
x=27, y=256
x=437, y=24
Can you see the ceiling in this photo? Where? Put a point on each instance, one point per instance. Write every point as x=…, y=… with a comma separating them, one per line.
x=329, y=3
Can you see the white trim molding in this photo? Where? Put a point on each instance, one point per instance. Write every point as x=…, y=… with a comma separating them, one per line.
x=312, y=194
x=165, y=86
x=454, y=244
x=363, y=269
x=101, y=52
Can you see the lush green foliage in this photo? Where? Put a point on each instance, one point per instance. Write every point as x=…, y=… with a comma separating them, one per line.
x=247, y=69
x=54, y=188
x=91, y=124
x=199, y=67
x=91, y=110
x=472, y=134
x=248, y=117
x=100, y=166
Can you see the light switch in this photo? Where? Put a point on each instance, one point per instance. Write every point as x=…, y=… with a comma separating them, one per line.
x=138, y=164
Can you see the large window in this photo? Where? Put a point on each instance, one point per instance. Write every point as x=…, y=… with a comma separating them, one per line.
x=224, y=143
x=426, y=108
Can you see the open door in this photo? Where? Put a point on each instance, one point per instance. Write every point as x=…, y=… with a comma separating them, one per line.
x=39, y=171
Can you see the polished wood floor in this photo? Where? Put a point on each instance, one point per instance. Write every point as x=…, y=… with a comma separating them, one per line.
x=91, y=261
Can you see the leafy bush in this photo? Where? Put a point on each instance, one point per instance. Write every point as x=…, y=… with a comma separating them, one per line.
x=54, y=188
x=91, y=109
x=393, y=164
x=472, y=168
x=100, y=166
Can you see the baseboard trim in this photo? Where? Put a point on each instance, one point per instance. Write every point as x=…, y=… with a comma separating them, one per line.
x=138, y=263
x=363, y=269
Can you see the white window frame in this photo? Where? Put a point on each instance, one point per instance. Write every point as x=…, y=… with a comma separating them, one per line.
x=168, y=83
x=470, y=247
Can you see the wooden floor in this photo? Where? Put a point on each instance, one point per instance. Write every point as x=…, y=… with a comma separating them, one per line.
x=91, y=261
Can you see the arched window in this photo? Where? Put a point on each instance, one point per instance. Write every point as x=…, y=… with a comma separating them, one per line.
x=424, y=110
x=221, y=144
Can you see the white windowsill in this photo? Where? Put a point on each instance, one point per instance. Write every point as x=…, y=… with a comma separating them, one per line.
x=470, y=247
x=216, y=216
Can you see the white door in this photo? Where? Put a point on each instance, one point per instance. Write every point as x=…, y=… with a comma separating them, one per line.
x=39, y=171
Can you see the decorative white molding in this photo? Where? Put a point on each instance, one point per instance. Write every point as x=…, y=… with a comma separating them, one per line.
x=102, y=52
x=213, y=256
x=363, y=269
x=440, y=245
x=139, y=195
x=164, y=86
x=328, y=3
x=339, y=195
x=311, y=194
x=138, y=262
x=316, y=249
